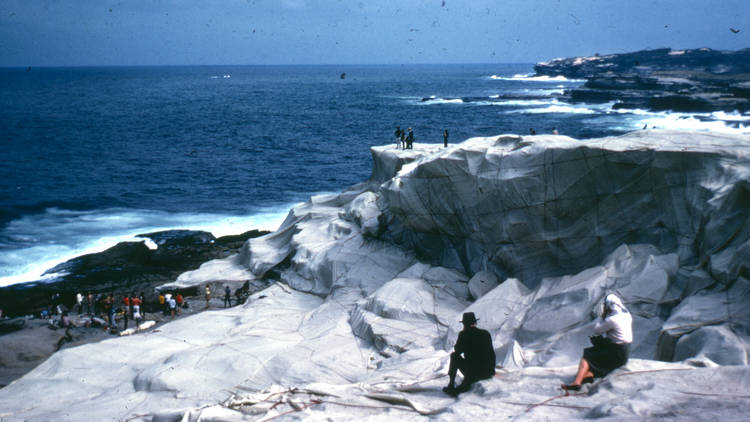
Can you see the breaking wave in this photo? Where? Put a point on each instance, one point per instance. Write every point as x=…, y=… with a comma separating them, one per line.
x=532, y=78
x=436, y=100
x=34, y=243
x=696, y=122
x=556, y=108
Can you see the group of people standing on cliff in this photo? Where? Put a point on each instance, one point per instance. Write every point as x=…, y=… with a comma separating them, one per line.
x=405, y=139
x=474, y=356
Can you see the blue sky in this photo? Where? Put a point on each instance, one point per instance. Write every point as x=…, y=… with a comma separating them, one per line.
x=194, y=32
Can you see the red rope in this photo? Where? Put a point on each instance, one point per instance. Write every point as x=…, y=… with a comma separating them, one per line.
x=544, y=403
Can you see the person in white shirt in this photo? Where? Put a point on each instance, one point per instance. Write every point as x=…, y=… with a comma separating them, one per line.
x=79, y=302
x=609, y=351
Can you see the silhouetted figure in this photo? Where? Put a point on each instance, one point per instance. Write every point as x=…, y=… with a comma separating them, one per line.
x=399, y=137
x=142, y=298
x=532, y=131
x=478, y=360
x=109, y=307
x=554, y=131
x=89, y=303
x=445, y=138
x=227, y=297
x=410, y=139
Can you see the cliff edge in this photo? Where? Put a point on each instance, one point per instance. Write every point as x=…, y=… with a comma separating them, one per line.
x=529, y=233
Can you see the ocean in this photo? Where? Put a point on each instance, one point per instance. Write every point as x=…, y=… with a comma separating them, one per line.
x=93, y=156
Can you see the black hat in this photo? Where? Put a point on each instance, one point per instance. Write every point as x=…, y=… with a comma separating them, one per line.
x=469, y=318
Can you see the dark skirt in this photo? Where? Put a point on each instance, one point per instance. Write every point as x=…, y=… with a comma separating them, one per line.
x=606, y=356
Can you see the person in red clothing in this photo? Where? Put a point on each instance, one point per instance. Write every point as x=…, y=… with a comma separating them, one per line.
x=179, y=302
x=126, y=310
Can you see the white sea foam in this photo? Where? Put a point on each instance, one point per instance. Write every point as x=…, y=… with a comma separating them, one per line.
x=523, y=103
x=532, y=78
x=731, y=117
x=557, y=108
x=493, y=100
x=558, y=90
x=434, y=100
x=692, y=122
x=43, y=241
x=635, y=119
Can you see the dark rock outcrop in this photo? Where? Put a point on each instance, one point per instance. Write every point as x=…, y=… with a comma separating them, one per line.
x=10, y=325
x=699, y=80
x=128, y=267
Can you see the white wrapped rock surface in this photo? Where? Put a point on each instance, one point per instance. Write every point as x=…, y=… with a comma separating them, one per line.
x=374, y=280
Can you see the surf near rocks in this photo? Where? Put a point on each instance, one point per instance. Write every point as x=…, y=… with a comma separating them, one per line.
x=125, y=268
x=693, y=80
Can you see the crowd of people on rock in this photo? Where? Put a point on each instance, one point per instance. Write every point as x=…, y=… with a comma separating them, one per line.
x=103, y=310
x=171, y=304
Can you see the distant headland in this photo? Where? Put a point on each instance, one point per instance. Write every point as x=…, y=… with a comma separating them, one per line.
x=694, y=80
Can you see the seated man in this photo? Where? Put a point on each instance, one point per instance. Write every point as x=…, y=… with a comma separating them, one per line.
x=478, y=360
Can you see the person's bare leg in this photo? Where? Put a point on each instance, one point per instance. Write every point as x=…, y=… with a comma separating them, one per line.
x=584, y=372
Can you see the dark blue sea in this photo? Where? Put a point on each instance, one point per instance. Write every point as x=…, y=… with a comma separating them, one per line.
x=93, y=156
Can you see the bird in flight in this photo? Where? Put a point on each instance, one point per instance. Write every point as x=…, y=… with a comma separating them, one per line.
x=734, y=31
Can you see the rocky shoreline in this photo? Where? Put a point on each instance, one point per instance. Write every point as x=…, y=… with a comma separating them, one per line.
x=696, y=80
x=127, y=268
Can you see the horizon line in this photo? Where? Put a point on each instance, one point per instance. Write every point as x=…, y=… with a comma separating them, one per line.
x=27, y=67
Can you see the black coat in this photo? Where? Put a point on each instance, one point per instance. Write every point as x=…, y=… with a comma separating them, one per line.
x=476, y=346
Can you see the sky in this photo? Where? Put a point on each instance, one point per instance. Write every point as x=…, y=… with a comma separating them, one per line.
x=239, y=32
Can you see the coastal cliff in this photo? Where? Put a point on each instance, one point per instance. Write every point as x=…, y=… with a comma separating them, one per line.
x=696, y=80
x=528, y=232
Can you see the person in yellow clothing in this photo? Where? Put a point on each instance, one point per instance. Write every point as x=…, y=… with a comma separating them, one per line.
x=208, y=294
